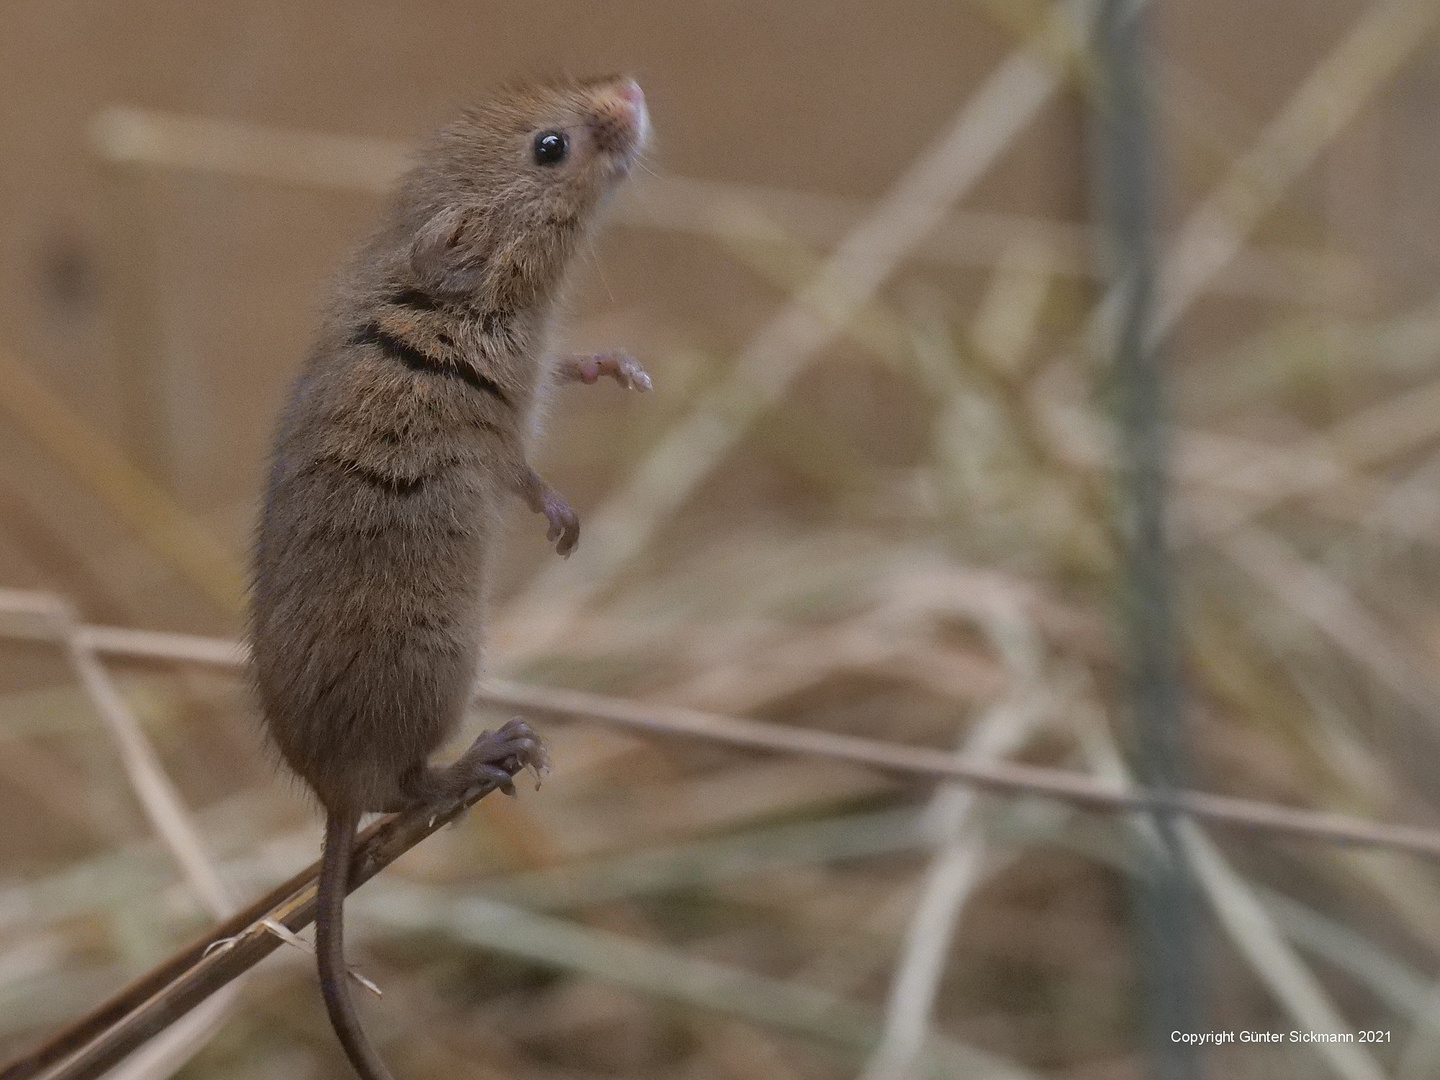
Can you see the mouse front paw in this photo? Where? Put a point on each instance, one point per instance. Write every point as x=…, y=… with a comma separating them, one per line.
x=564, y=530
x=620, y=366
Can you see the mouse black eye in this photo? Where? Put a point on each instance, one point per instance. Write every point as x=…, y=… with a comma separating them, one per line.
x=550, y=147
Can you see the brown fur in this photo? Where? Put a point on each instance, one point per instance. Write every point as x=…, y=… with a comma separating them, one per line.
x=406, y=433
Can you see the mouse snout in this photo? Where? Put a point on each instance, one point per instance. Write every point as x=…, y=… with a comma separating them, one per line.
x=622, y=121
x=631, y=92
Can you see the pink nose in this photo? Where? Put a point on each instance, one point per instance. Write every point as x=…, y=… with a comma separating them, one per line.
x=627, y=101
x=631, y=92
x=621, y=123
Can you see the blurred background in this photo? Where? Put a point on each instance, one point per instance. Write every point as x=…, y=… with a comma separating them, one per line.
x=929, y=371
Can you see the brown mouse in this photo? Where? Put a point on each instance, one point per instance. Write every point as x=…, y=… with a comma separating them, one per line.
x=406, y=433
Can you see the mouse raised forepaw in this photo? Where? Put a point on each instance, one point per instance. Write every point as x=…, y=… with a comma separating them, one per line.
x=564, y=530
x=589, y=367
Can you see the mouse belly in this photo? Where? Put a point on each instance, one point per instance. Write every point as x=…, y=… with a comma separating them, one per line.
x=366, y=633
x=356, y=717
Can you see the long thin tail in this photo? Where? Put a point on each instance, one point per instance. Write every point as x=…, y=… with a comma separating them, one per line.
x=330, y=947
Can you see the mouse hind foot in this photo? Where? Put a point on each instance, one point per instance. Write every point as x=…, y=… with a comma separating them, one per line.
x=495, y=757
x=491, y=762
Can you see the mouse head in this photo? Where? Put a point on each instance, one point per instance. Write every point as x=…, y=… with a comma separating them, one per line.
x=503, y=194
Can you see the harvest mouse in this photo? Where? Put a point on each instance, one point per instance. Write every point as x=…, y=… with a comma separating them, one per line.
x=406, y=433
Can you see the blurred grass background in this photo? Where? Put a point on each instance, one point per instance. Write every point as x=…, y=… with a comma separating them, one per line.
x=871, y=493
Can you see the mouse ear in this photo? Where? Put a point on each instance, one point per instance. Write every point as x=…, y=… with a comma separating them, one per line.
x=439, y=258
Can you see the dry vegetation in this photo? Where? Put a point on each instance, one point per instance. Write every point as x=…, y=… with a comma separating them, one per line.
x=882, y=509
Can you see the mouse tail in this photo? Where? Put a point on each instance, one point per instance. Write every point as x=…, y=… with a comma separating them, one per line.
x=330, y=946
